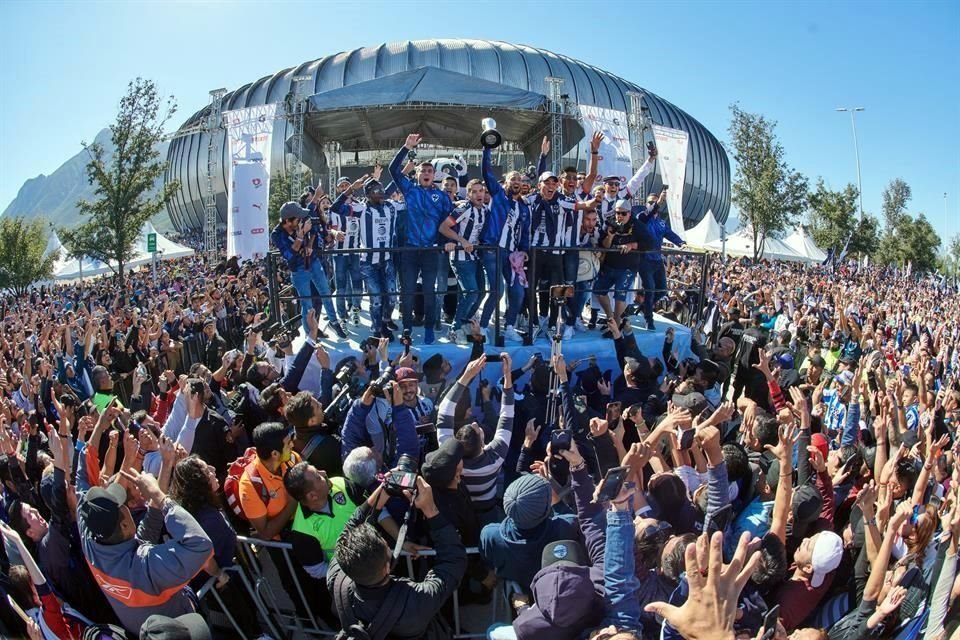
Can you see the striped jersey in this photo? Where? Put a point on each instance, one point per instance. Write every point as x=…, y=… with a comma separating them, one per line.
x=378, y=230
x=346, y=218
x=552, y=221
x=479, y=473
x=469, y=222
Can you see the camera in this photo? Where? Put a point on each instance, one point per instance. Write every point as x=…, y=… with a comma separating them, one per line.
x=406, y=340
x=651, y=146
x=560, y=441
x=345, y=373
x=387, y=376
x=402, y=478
x=495, y=357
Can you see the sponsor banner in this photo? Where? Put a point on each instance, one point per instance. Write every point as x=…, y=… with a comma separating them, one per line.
x=672, y=163
x=614, y=151
x=250, y=136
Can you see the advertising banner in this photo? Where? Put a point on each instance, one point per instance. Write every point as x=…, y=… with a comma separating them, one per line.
x=250, y=138
x=615, y=149
x=672, y=163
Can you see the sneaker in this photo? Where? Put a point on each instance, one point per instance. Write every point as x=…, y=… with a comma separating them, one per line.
x=356, y=317
x=568, y=333
x=579, y=326
x=428, y=335
x=509, y=333
x=650, y=326
x=593, y=319
x=338, y=329
x=392, y=325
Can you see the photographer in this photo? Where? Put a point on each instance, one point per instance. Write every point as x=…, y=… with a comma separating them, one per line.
x=653, y=275
x=300, y=244
x=400, y=440
x=366, y=594
x=619, y=269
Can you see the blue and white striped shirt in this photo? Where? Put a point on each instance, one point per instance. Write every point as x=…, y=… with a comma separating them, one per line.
x=378, y=230
x=469, y=222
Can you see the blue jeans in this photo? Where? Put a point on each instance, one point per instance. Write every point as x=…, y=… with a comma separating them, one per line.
x=346, y=269
x=515, y=290
x=471, y=283
x=619, y=279
x=302, y=279
x=581, y=292
x=381, y=282
x=653, y=275
x=443, y=274
x=423, y=265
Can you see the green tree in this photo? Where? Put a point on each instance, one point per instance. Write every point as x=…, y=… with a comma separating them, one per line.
x=768, y=193
x=919, y=243
x=952, y=257
x=832, y=216
x=122, y=181
x=22, y=262
x=895, y=198
x=866, y=236
x=281, y=191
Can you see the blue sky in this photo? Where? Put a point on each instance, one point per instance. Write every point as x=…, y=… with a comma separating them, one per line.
x=66, y=64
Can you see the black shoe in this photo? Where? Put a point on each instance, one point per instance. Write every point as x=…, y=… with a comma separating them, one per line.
x=631, y=310
x=392, y=325
x=593, y=319
x=338, y=329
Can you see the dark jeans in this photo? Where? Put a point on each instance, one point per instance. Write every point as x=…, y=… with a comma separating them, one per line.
x=553, y=269
x=495, y=289
x=382, y=285
x=653, y=275
x=471, y=286
x=349, y=282
x=424, y=265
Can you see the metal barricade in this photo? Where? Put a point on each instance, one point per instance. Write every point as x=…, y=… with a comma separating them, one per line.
x=282, y=621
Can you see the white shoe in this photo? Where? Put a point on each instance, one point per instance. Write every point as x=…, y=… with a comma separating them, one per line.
x=579, y=326
x=568, y=332
x=509, y=333
x=459, y=336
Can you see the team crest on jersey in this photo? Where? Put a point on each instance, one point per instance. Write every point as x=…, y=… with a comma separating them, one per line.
x=435, y=196
x=339, y=498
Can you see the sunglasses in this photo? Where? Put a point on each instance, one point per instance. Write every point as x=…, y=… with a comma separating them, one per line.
x=623, y=213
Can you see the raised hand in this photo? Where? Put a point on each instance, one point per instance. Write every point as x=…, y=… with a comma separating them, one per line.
x=530, y=433
x=473, y=369
x=412, y=140
x=545, y=146
x=595, y=142
x=789, y=434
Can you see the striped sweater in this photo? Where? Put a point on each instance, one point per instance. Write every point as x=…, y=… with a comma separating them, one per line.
x=479, y=473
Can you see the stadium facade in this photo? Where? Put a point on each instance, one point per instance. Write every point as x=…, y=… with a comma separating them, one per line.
x=352, y=102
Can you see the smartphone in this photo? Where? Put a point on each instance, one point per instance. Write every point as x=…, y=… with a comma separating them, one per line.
x=560, y=441
x=651, y=146
x=906, y=370
x=915, y=515
x=685, y=437
x=770, y=623
x=613, y=411
x=612, y=483
x=722, y=518
x=848, y=463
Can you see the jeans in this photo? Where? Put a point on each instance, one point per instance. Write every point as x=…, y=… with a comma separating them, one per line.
x=302, y=279
x=611, y=278
x=581, y=292
x=346, y=268
x=443, y=275
x=654, y=278
x=471, y=284
x=553, y=269
x=423, y=265
x=513, y=288
x=381, y=282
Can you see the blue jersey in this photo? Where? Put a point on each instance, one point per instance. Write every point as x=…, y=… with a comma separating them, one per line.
x=426, y=206
x=508, y=224
x=654, y=231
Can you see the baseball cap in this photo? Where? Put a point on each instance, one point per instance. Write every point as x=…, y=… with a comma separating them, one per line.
x=612, y=179
x=343, y=179
x=406, y=373
x=100, y=510
x=785, y=360
x=622, y=204
x=827, y=553
x=548, y=175
x=293, y=210
x=190, y=626
x=564, y=553
x=844, y=377
x=694, y=402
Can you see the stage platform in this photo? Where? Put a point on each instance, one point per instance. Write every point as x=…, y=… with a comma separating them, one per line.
x=583, y=345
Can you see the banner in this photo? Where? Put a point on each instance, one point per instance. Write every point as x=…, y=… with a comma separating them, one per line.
x=250, y=136
x=614, y=154
x=672, y=162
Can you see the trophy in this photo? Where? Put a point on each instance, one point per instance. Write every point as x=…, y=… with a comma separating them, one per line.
x=490, y=138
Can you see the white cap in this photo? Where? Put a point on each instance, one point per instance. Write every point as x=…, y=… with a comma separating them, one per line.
x=547, y=175
x=622, y=204
x=827, y=553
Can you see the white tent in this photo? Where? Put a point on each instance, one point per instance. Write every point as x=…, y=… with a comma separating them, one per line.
x=804, y=245
x=706, y=231
x=167, y=249
x=54, y=244
x=741, y=244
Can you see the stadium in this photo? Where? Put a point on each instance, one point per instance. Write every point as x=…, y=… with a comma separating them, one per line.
x=358, y=105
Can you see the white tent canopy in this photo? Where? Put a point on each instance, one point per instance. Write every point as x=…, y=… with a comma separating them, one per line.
x=167, y=249
x=804, y=245
x=706, y=231
x=741, y=244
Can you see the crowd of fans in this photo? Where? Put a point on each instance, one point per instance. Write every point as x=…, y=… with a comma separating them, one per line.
x=797, y=475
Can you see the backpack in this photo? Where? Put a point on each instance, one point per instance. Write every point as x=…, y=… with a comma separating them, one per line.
x=387, y=615
x=231, y=486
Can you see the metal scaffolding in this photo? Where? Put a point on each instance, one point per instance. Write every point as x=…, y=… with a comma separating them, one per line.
x=296, y=113
x=554, y=86
x=214, y=128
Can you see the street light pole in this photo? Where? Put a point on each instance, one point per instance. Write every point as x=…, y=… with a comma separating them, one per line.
x=856, y=149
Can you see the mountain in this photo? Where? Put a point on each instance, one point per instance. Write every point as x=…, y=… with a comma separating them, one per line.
x=55, y=197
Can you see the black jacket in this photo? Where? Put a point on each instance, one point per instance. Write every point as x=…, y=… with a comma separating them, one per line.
x=210, y=442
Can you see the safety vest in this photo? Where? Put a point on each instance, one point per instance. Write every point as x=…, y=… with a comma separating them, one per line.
x=326, y=528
